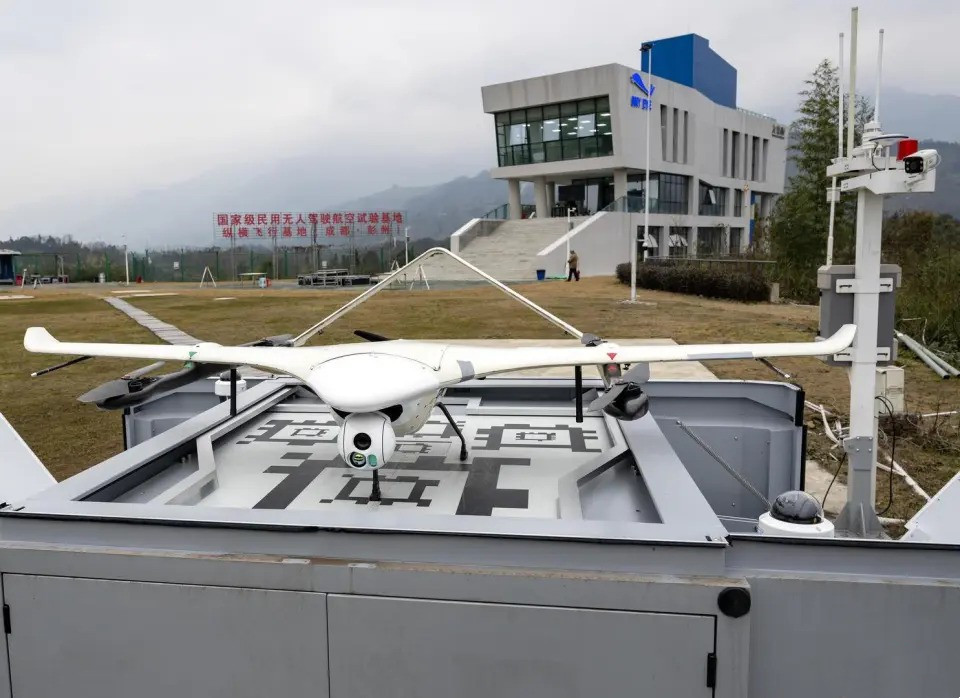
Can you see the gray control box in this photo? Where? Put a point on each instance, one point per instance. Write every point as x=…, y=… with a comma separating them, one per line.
x=836, y=284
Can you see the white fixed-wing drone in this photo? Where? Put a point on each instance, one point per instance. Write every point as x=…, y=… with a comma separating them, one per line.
x=389, y=388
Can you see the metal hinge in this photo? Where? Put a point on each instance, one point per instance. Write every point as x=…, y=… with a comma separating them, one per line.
x=712, y=670
x=6, y=618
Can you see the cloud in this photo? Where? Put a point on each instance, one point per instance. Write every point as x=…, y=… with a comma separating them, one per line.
x=106, y=98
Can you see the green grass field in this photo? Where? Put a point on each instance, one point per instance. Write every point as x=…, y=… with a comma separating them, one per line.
x=69, y=437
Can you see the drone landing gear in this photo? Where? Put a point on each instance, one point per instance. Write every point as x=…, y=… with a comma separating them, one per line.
x=463, y=441
x=375, y=489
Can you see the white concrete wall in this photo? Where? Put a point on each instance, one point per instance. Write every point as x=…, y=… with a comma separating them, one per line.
x=601, y=242
x=705, y=128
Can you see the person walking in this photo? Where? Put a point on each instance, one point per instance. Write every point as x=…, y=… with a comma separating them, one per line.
x=573, y=264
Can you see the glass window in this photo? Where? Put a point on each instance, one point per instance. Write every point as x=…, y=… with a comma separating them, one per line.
x=535, y=131
x=735, y=236
x=569, y=130
x=553, y=151
x=606, y=145
x=536, y=152
x=587, y=125
x=588, y=147
x=551, y=130
x=712, y=200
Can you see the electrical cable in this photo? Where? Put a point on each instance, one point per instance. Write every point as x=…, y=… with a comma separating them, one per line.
x=885, y=401
x=826, y=494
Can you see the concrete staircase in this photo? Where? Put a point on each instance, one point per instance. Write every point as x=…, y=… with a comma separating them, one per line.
x=508, y=253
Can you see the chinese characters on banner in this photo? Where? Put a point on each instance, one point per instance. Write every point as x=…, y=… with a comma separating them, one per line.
x=298, y=228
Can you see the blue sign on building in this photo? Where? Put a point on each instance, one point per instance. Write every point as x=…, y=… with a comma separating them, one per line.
x=637, y=102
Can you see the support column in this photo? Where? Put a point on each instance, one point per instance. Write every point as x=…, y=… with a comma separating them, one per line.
x=551, y=197
x=859, y=517
x=664, y=249
x=619, y=183
x=513, y=200
x=540, y=197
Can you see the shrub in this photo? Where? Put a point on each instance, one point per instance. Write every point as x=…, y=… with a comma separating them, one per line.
x=694, y=279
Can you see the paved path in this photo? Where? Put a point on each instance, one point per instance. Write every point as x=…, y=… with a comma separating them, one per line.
x=164, y=330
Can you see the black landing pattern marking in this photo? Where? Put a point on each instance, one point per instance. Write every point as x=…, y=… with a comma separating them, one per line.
x=304, y=432
x=480, y=493
x=415, y=495
x=530, y=436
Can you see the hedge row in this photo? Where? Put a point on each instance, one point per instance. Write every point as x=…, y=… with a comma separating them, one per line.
x=710, y=282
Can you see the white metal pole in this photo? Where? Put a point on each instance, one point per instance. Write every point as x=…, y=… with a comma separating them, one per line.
x=646, y=188
x=876, y=103
x=852, y=95
x=126, y=259
x=861, y=482
x=833, y=181
x=646, y=178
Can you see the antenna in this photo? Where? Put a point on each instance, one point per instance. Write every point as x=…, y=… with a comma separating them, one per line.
x=840, y=102
x=852, y=97
x=834, y=192
x=876, y=103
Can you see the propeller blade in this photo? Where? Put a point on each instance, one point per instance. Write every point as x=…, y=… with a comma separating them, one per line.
x=371, y=336
x=108, y=391
x=280, y=340
x=607, y=397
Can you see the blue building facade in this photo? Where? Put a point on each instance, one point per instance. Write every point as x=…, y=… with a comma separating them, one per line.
x=689, y=60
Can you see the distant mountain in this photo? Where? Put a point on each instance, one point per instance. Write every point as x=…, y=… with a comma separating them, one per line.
x=182, y=214
x=936, y=117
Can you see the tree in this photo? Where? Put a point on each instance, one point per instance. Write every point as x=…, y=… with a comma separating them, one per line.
x=800, y=219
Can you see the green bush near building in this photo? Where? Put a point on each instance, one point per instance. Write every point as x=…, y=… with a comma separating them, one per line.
x=699, y=280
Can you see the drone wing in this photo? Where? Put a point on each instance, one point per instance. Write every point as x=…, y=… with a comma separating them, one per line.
x=349, y=377
x=288, y=360
x=482, y=361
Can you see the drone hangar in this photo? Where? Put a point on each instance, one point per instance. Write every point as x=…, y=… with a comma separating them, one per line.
x=584, y=516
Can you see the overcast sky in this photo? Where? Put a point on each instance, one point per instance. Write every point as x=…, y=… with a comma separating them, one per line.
x=106, y=98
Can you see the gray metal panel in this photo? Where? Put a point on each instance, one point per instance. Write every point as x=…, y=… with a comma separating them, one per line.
x=836, y=309
x=4, y=663
x=103, y=639
x=835, y=637
x=381, y=646
x=22, y=474
x=938, y=521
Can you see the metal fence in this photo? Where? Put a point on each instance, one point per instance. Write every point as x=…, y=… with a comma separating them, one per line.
x=225, y=264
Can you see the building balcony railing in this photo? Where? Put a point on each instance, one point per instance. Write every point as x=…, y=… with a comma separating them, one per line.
x=502, y=212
